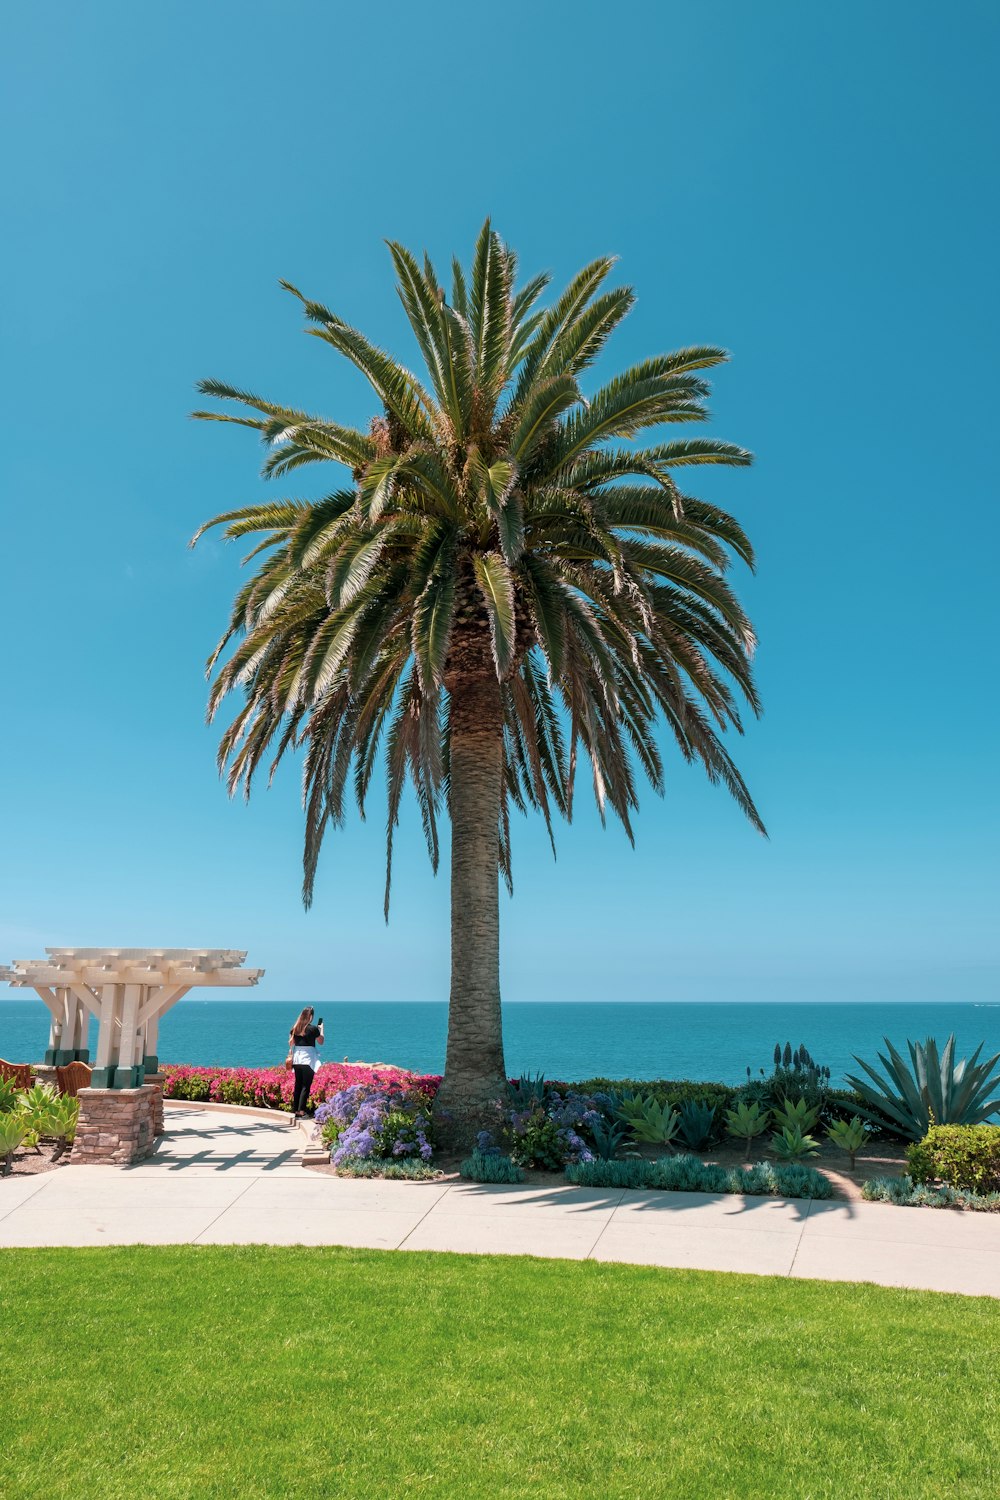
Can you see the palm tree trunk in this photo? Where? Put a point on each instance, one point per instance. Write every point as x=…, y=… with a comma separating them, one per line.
x=474, y=1073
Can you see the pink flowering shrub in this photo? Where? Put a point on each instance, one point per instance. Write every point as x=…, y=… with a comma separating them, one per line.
x=272, y=1088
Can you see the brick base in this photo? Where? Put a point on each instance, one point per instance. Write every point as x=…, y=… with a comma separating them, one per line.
x=155, y=1080
x=117, y=1125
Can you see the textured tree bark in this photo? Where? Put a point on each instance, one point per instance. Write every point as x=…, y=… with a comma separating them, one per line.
x=474, y=1067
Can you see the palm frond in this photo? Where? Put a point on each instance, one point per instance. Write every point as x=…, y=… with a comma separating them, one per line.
x=504, y=518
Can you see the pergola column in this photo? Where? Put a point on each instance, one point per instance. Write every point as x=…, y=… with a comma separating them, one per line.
x=157, y=999
x=68, y=1033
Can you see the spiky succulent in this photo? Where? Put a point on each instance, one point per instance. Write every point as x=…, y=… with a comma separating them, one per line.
x=933, y=1088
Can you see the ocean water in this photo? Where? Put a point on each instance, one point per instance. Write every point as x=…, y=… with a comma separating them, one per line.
x=563, y=1040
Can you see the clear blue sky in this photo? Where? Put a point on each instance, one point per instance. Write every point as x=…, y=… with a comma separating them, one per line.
x=812, y=186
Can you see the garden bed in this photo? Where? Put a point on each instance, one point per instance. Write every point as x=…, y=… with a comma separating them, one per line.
x=28, y=1163
x=880, y=1159
x=389, y=1114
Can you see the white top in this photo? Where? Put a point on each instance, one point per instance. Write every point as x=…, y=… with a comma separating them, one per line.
x=306, y=1057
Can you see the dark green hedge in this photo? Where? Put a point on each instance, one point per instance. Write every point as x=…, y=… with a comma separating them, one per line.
x=673, y=1090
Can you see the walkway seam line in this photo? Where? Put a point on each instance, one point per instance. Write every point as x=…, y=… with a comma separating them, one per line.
x=439, y=1199
x=590, y=1253
x=802, y=1230
x=14, y=1208
x=223, y=1211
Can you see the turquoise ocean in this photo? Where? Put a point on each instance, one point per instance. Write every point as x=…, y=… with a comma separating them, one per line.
x=564, y=1040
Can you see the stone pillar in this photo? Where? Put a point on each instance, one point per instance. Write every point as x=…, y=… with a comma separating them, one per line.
x=116, y=1125
x=156, y=1082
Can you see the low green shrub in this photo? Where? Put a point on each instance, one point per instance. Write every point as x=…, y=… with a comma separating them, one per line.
x=631, y=1172
x=906, y=1193
x=794, y=1180
x=187, y=1084
x=387, y=1166
x=687, y=1174
x=486, y=1166
x=963, y=1156
x=538, y=1142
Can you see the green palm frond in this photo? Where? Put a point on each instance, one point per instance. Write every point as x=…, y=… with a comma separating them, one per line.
x=497, y=587
x=496, y=512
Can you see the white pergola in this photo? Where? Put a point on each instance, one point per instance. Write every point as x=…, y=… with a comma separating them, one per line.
x=128, y=990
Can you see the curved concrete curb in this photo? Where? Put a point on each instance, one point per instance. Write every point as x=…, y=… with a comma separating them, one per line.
x=313, y=1152
x=244, y=1111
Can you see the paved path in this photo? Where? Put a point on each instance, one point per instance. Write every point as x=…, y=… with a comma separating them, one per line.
x=219, y=1180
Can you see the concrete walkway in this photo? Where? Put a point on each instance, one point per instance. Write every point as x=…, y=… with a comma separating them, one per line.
x=218, y=1179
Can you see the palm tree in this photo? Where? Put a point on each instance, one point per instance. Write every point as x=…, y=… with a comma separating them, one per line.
x=504, y=585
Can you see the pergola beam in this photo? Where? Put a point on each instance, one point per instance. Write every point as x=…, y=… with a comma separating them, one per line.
x=127, y=989
x=176, y=974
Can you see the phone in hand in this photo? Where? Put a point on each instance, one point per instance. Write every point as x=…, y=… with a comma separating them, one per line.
x=320, y=1021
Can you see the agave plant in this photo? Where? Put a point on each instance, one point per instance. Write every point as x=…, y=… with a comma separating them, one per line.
x=508, y=582
x=527, y=1091
x=848, y=1135
x=647, y=1119
x=697, y=1118
x=607, y=1136
x=747, y=1121
x=58, y=1120
x=40, y=1097
x=935, y=1087
x=792, y=1143
x=797, y=1112
x=9, y=1094
x=13, y=1129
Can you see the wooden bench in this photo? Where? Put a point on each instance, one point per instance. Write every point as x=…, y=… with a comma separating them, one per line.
x=72, y=1077
x=18, y=1073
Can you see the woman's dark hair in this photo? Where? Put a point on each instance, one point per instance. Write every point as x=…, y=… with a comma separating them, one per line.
x=304, y=1020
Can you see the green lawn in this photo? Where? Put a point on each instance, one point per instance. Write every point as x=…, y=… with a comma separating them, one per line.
x=221, y=1372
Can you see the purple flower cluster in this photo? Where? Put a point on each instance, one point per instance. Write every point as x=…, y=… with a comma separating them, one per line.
x=362, y=1135
x=364, y=1121
x=576, y=1147
x=411, y=1139
x=552, y=1130
x=575, y=1111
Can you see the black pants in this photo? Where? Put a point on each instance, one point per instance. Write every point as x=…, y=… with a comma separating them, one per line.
x=304, y=1076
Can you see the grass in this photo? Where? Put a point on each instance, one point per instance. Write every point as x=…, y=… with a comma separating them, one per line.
x=208, y=1372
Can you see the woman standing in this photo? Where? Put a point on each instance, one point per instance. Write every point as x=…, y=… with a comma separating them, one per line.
x=303, y=1040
